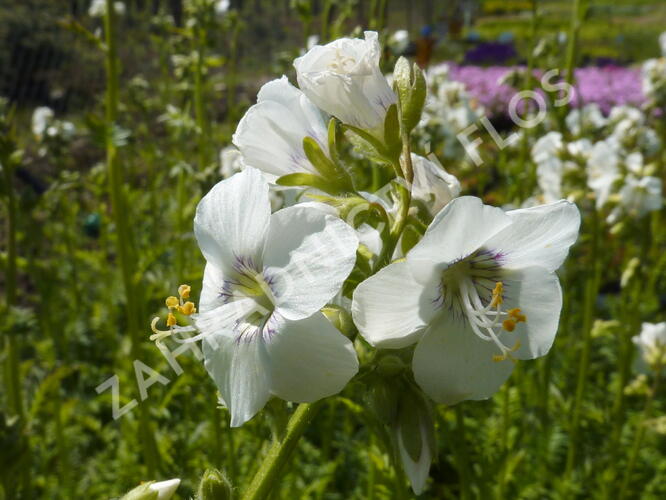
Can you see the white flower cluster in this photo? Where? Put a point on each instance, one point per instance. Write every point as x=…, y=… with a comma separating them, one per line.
x=458, y=290
x=98, y=8
x=653, y=75
x=613, y=167
x=448, y=111
x=48, y=130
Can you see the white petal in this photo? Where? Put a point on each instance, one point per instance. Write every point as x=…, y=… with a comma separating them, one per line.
x=165, y=489
x=308, y=256
x=232, y=219
x=452, y=364
x=538, y=236
x=537, y=292
x=310, y=359
x=459, y=229
x=270, y=135
x=390, y=309
x=240, y=371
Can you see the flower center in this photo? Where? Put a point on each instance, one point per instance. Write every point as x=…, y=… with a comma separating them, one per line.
x=472, y=289
x=246, y=281
x=341, y=63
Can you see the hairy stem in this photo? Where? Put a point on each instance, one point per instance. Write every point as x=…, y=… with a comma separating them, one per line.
x=269, y=473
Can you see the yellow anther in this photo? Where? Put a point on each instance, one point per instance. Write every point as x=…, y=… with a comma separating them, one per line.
x=171, y=320
x=172, y=302
x=507, y=355
x=516, y=315
x=187, y=308
x=184, y=291
x=509, y=325
x=497, y=294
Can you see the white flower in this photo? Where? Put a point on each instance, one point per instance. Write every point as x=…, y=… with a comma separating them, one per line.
x=634, y=162
x=581, y=119
x=270, y=135
x=480, y=287
x=547, y=147
x=311, y=41
x=266, y=279
x=98, y=8
x=580, y=148
x=602, y=171
x=652, y=343
x=343, y=78
x=231, y=162
x=433, y=185
x=399, y=41
x=165, y=489
x=221, y=7
x=42, y=117
x=549, y=177
x=638, y=197
x=662, y=43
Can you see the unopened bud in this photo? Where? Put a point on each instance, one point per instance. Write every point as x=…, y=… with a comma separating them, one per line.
x=214, y=485
x=410, y=86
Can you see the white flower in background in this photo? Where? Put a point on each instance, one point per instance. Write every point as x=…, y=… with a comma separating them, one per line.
x=589, y=117
x=480, y=287
x=266, y=279
x=98, y=8
x=343, y=78
x=433, y=185
x=42, y=118
x=231, y=162
x=582, y=148
x=602, y=171
x=652, y=343
x=547, y=147
x=222, y=7
x=399, y=41
x=662, y=43
x=550, y=168
x=270, y=135
x=634, y=162
x=638, y=197
x=165, y=489
x=311, y=41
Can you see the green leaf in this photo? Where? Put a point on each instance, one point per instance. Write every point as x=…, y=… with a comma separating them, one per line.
x=368, y=144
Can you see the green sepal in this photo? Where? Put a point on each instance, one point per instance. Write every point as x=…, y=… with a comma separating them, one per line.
x=328, y=169
x=214, y=485
x=368, y=145
x=392, y=133
x=142, y=492
x=383, y=401
x=410, y=86
x=305, y=179
x=410, y=237
x=409, y=425
x=318, y=158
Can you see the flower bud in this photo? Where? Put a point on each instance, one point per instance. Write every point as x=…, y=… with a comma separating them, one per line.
x=162, y=490
x=411, y=87
x=343, y=78
x=214, y=485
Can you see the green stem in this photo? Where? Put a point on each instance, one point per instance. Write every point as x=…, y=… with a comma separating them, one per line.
x=267, y=477
x=121, y=218
x=640, y=433
x=461, y=454
x=572, y=44
x=588, y=317
x=12, y=368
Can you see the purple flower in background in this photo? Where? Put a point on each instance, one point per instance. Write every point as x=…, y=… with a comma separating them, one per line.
x=491, y=53
x=607, y=86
